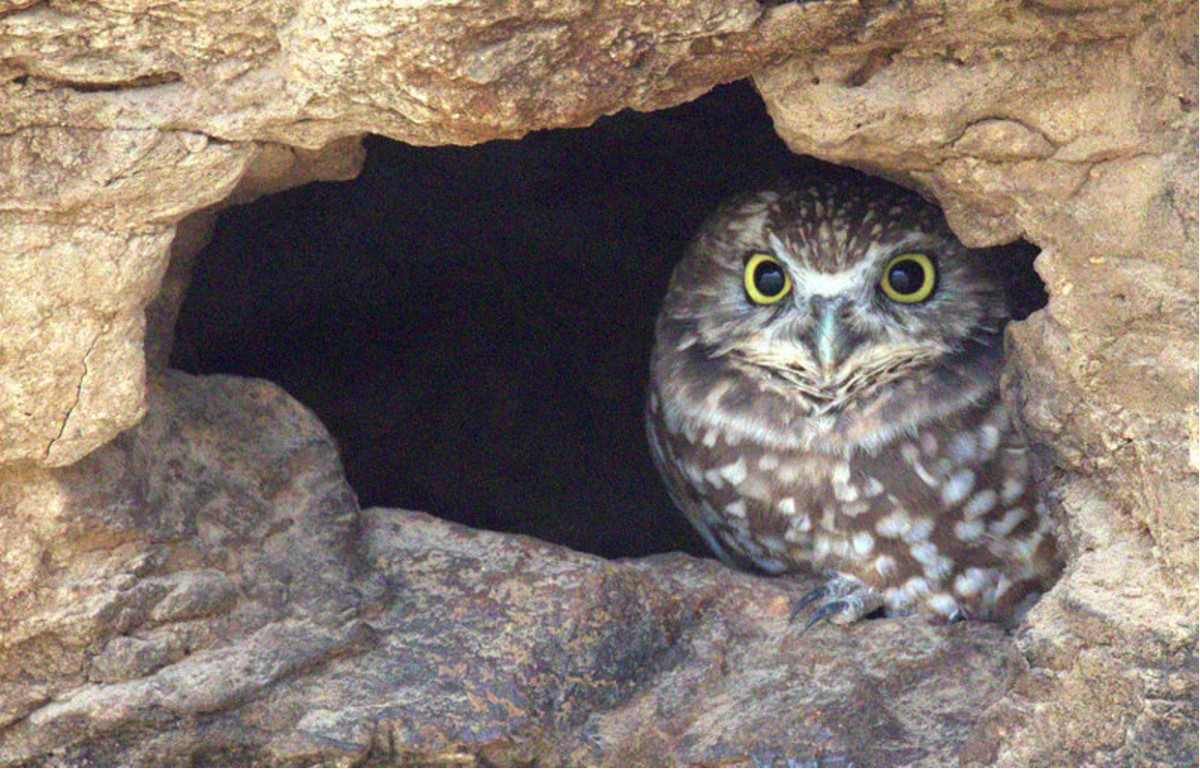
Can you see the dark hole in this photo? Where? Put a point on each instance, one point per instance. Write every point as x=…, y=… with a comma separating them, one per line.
x=473, y=324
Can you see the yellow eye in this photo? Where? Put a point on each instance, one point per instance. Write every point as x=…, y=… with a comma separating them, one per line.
x=765, y=280
x=909, y=278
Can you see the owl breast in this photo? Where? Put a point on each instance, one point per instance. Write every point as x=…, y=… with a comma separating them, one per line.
x=910, y=481
x=943, y=521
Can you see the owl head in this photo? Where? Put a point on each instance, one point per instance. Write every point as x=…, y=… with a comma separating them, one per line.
x=832, y=293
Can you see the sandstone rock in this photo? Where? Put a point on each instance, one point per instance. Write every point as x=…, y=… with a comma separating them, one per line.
x=174, y=538
x=128, y=657
x=236, y=588
x=86, y=221
x=428, y=73
x=1088, y=150
x=202, y=588
x=663, y=660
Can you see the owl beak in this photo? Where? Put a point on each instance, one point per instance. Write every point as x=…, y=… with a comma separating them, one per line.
x=831, y=340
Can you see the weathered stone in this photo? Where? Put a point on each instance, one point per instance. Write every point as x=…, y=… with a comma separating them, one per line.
x=128, y=657
x=195, y=594
x=664, y=660
x=232, y=598
x=1088, y=150
x=1094, y=134
x=86, y=224
x=427, y=73
x=177, y=524
x=336, y=638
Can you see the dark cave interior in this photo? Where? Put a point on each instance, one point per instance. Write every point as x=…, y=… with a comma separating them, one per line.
x=473, y=324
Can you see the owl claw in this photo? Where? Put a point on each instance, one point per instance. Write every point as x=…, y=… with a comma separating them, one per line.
x=849, y=601
x=816, y=594
x=824, y=610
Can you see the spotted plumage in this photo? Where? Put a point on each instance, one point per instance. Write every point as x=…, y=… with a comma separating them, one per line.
x=825, y=395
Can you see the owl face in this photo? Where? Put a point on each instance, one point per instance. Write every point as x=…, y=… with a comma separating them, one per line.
x=835, y=298
x=831, y=297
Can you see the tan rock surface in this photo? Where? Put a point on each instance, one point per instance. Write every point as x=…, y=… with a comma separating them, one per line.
x=87, y=220
x=116, y=122
x=229, y=579
x=1088, y=150
x=220, y=531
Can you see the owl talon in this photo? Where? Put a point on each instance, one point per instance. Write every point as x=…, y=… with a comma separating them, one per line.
x=824, y=611
x=812, y=596
x=849, y=601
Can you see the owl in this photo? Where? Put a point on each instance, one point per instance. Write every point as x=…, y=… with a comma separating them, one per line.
x=824, y=397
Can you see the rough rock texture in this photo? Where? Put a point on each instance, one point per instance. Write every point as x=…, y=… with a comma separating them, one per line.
x=1100, y=171
x=87, y=221
x=203, y=589
x=116, y=122
x=176, y=537
x=242, y=608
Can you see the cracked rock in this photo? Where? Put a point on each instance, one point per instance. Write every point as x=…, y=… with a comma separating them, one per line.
x=186, y=577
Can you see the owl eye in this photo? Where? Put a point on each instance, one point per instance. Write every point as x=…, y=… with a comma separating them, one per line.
x=766, y=282
x=909, y=278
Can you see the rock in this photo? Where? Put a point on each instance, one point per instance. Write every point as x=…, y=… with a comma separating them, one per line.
x=176, y=537
x=233, y=584
x=193, y=594
x=662, y=660
x=202, y=588
x=1029, y=137
x=427, y=73
x=1087, y=150
x=87, y=220
x=128, y=657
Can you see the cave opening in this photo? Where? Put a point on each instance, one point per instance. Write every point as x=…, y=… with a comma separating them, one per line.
x=473, y=324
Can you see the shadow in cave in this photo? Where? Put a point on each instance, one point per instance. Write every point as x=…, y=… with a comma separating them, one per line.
x=474, y=324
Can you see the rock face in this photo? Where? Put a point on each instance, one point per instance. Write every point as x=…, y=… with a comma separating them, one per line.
x=202, y=587
x=1100, y=171
x=241, y=589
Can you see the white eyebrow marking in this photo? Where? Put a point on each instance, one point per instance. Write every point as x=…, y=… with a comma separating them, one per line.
x=859, y=275
x=831, y=284
x=816, y=283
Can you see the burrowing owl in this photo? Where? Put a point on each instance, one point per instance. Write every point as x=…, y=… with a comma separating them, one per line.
x=825, y=395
